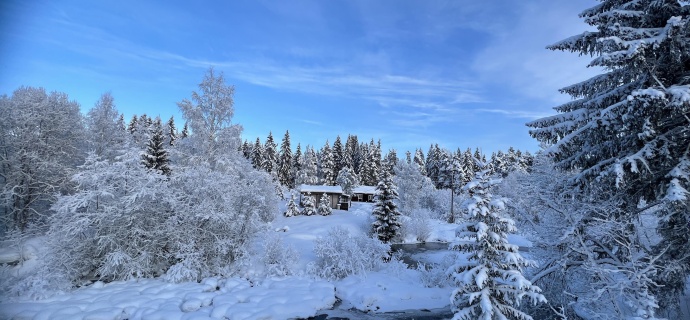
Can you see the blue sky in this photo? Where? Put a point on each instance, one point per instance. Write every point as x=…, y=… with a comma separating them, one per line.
x=459, y=73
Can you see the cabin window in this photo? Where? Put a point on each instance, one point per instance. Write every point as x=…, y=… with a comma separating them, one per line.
x=370, y=197
x=359, y=197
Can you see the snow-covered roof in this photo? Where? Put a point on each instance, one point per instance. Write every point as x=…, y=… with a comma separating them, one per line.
x=365, y=189
x=320, y=189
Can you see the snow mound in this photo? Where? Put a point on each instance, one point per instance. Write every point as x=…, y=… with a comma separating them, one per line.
x=383, y=292
x=234, y=298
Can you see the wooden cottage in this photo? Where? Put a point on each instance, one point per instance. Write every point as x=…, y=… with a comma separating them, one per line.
x=334, y=193
x=364, y=194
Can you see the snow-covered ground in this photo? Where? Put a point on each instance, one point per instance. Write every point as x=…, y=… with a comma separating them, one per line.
x=390, y=289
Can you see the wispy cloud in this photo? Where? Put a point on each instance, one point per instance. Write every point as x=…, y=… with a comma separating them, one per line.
x=311, y=122
x=516, y=113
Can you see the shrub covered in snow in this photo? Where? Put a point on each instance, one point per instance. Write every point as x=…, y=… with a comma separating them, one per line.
x=308, y=205
x=292, y=209
x=340, y=254
x=416, y=225
x=435, y=275
x=325, y=206
x=278, y=258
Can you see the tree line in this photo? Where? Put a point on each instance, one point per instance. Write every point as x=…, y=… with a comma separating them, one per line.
x=447, y=169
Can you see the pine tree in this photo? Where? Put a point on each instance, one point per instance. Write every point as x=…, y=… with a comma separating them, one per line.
x=369, y=173
x=297, y=164
x=628, y=127
x=247, y=150
x=390, y=161
x=132, y=127
x=185, y=131
x=501, y=163
x=347, y=180
x=121, y=122
x=479, y=160
x=490, y=284
x=172, y=131
x=327, y=165
x=433, y=164
x=292, y=209
x=142, y=131
x=445, y=167
x=308, y=205
x=350, y=153
x=338, y=155
x=468, y=164
x=156, y=157
x=386, y=226
x=325, y=205
x=419, y=161
x=377, y=156
x=285, y=163
x=258, y=154
x=270, y=160
x=308, y=174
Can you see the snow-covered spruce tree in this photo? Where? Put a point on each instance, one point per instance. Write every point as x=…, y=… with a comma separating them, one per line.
x=308, y=205
x=386, y=214
x=338, y=155
x=390, y=161
x=185, y=131
x=247, y=150
x=324, y=208
x=142, y=132
x=490, y=282
x=629, y=127
x=172, y=131
x=257, y=154
x=292, y=209
x=347, y=180
x=132, y=125
x=270, y=160
x=156, y=157
x=571, y=232
x=350, y=153
x=419, y=161
x=285, y=163
x=371, y=166
x=327, y=165
x=297, y=165
x=309, y=172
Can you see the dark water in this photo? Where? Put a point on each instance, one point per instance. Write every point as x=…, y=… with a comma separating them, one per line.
x=435, y=314
x=407, y=250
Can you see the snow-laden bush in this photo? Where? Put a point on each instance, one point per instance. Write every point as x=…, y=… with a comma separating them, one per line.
x=278, y=258
x=292, y=209
x=111, y=227
x=417, y=225
x=308, y=205
x=325, y=205
x=217, y=215
x=341, y=254
x=435, y=275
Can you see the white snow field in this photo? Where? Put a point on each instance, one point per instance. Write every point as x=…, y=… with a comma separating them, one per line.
x=393, y=288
